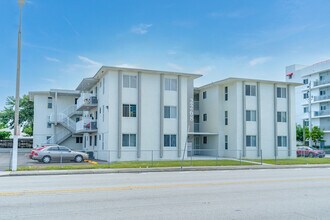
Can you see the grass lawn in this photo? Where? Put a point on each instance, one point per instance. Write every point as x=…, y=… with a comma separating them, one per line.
x=138, y=164
x=306, y=160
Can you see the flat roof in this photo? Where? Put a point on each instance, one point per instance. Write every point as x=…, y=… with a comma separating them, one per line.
x=234, y=79
x=58, y=91
x=88, y=83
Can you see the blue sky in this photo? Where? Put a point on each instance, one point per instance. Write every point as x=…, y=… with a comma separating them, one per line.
x=64, y=41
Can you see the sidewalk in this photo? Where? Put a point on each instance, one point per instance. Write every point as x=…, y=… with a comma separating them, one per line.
x=161, y=169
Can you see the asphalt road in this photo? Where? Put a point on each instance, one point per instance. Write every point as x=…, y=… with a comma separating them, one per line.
x=251, y=194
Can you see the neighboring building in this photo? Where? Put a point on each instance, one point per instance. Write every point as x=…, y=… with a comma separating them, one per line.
x=137, y=114
x=242, y=117
x=318, y=77
x=55, y=117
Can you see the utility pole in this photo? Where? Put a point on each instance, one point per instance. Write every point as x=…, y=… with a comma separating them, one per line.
x=310, y=112
x=18, y=78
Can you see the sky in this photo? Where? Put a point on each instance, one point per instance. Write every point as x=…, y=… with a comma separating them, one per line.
x=64, y=41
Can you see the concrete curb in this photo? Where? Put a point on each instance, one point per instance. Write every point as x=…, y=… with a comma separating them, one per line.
x=162, y=169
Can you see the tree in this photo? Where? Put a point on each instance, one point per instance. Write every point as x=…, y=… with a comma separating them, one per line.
x=316, y=135
x=302, y=133
x=25, y=115
x=4, y=135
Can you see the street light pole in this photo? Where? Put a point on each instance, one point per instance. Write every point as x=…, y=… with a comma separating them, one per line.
x=18, y=78
x=310, y=113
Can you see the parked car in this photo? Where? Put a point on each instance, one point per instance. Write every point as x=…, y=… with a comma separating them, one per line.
x=59, y=153
x=310, y=152
x=40, y=148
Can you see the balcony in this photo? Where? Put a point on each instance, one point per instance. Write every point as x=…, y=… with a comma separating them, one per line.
x=86, y=102
x=196, y=107
x=86, y=125
x=321, y=98
x=321, y=82
x=323, y=113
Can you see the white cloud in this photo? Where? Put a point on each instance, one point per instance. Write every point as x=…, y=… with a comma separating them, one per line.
x=89, y=61
x=141, y=28
x=259, y=60
x=127, y=65
x=204, y=70
x=174, y=66
x=52, y=59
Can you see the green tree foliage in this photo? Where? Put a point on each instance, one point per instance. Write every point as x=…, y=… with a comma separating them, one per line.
x=4, y=135
x=25, y=114
x=302, y=133
x=316, y=135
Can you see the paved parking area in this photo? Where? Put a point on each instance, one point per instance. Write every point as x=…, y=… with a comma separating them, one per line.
x=22, y=160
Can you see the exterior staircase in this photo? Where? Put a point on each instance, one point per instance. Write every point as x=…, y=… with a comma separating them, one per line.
x=64, y=119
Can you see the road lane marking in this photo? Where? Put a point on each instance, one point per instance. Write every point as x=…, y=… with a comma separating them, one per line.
x=162, y=186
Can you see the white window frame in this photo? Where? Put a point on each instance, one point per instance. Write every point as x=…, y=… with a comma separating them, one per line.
x=226, y=117
x=251, y=140
x=282, y=141
x=281, y=92
x=170, y=112
x=204, y=117
x=204, y=94
x=226, y=93
x=129, y=81
x=130, y=142
x=226, y=142
x=251, y=115
x=50, y=102
x=281, y=117
x=132, y=111
x=170, y=140
x=305, y=81
x=305, y=95
x=171, y=84
x=250, y=90
x=306, y=109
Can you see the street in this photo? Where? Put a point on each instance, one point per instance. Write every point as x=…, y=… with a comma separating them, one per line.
x=249, y=194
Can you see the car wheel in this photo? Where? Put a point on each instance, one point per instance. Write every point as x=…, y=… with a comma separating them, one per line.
x=310, y=155
x=78, y=158
x=46, y=159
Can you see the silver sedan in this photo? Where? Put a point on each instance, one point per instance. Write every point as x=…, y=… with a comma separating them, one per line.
x=60, y=154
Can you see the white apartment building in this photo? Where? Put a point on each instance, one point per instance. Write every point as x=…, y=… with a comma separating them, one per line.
x=246, y=118
x=317, y=76
x=124, y=114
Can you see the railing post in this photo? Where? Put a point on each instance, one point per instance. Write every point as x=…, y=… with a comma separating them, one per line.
x=152, y=158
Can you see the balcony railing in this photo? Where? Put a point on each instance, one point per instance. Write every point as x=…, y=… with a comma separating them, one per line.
x=196, y=127
x=86, y=125
x=321, y=82
x=321, y=97
x=322, y=113
x=196, y=105
x=86, y=102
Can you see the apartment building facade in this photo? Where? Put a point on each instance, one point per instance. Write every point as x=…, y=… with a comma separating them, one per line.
x=313, y=95
x=124, y=114
x=247, y=118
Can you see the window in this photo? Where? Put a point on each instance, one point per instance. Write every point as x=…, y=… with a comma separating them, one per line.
x=103, y=136
x=204, y=117
x=305, y=123
x=48, y=137
x=322, y=92
x=282, y=141
x=129, y=140
x=323, y=107
x=169, y=140
x=75, y=101
x=79, y=140
x=305, y=81
x=204, y=140
x=226, y=117
x=49, y=125
x=50, y=102
x=90, y=140
x=306, y=109
x=169, y=112
x=64, y=149
x=306, y=95
x=171, y=84
x=250, y=90
x=103, y=84
x=53, y=149
x=251, y=115
x=281, y=92
x=281, y=116
x=129, y=110
x=251, y=141
x=95, y=140
x=129, y=81
x=226, y=142
x=226, y=93
x=204, y=95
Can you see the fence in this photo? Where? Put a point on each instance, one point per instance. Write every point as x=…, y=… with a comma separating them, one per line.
x=169, y=158
x=22, y=143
